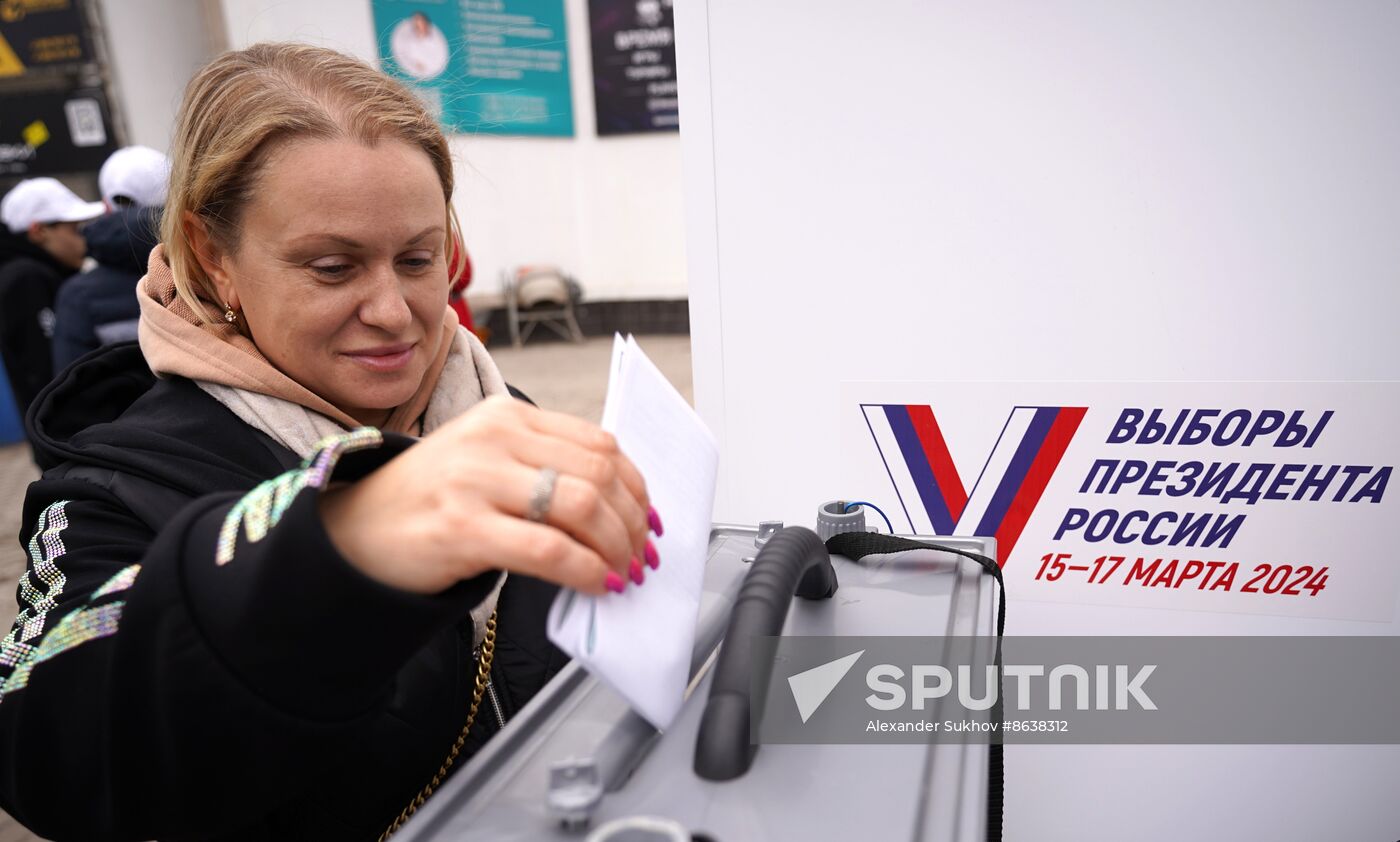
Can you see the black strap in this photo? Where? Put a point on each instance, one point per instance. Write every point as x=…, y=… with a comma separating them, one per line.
x=858, y=545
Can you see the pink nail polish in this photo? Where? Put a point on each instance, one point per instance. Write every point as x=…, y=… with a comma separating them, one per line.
x=653, y=560
x=654, y=521
x=636, y=571
x=614, y=582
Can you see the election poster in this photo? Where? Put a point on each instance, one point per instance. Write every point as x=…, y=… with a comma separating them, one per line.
x=1257, y=498
x=634, y=66
x=482, y=66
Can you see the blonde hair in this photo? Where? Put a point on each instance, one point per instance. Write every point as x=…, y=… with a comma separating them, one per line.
x=243, y=104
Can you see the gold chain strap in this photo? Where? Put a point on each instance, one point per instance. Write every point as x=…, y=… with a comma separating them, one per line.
x=483, y=677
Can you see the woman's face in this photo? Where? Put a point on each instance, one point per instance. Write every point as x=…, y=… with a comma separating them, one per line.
x=340, y=272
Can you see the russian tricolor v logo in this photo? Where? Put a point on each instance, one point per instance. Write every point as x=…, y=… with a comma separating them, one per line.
x=1015, y=475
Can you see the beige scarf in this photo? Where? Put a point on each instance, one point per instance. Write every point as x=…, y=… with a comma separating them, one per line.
x=230, y=368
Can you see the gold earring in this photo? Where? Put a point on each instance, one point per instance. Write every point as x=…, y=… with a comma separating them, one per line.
x=229, y=315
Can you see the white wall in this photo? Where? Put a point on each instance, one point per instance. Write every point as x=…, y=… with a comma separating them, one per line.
x=1022, y=191
x=606, y=209
x=928, y=191
x=153, y=48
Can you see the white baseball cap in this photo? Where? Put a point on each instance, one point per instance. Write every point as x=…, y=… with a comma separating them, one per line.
x=44, y=200
x=139, y=173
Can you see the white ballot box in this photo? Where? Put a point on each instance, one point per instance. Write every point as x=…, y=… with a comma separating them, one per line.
x=578, y=763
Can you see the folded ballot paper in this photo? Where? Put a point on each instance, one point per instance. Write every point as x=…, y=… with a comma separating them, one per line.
x=639, y=641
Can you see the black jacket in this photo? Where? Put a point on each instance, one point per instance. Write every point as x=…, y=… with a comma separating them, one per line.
x=29, y=280
x=100, y=307
x=152, y=692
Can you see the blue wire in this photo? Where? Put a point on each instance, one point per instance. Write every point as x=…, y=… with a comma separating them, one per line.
x=850, y=506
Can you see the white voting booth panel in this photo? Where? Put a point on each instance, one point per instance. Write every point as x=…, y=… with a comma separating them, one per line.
x=922, y=192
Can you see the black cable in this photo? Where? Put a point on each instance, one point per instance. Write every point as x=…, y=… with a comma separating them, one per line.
x=857, y=545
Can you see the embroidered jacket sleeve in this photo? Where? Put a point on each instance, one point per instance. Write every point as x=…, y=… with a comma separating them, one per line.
x=149, y=673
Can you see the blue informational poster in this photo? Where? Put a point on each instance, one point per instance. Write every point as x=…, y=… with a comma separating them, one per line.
x=483, y=66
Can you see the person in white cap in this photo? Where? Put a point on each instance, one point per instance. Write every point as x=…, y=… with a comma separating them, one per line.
x=39, y=248
x=99, y=307
x=134, y=175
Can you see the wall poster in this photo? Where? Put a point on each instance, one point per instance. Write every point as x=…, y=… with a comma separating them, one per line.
x=634, y=66
x=482, y=66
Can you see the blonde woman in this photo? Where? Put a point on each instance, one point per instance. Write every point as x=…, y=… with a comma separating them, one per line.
x=255, y=607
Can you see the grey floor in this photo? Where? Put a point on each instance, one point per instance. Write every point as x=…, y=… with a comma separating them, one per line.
x=556, y=375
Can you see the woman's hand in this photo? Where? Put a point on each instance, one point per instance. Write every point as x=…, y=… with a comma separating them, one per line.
x=455, y=505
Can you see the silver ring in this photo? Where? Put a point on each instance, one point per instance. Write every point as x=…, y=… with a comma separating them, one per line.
x=542, y=495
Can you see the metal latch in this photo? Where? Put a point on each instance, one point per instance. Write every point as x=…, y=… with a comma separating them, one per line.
x=575, y=789
x=766, y=530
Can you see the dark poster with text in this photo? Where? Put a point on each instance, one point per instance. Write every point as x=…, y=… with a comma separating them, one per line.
x=41, y=33
x=54, y=132
x=634, y=66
